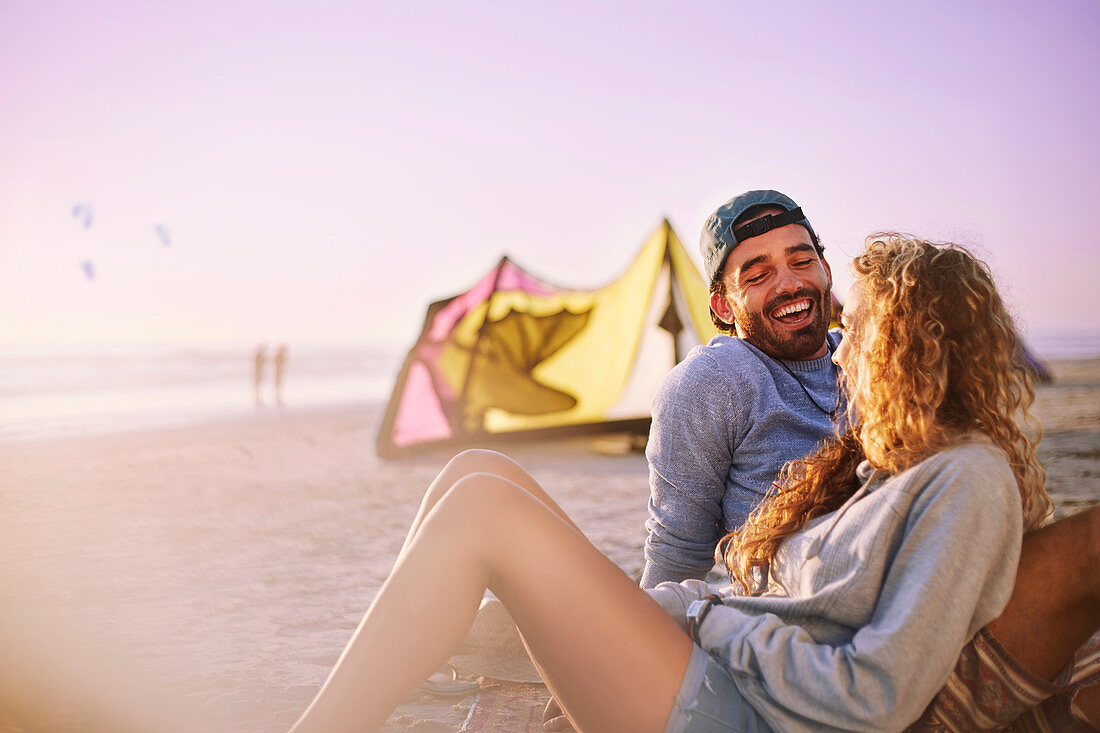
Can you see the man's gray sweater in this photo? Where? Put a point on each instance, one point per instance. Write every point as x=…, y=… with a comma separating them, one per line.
x=725, y=420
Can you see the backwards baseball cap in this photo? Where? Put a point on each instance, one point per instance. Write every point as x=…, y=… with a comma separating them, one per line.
x=719, y=237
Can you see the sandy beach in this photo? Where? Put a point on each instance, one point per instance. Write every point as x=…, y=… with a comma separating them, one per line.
x=207, y=577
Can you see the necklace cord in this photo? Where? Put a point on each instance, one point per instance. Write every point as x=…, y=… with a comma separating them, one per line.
x=830, y=413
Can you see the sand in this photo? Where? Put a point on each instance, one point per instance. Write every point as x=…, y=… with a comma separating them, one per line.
x=206, y=578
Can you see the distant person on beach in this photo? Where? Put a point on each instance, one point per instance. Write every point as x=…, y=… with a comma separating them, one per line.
x=886, y=552
x=259, y=360
x=280, y=366
x=728, y=417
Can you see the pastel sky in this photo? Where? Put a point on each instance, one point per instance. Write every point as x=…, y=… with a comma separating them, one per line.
x=325, y=169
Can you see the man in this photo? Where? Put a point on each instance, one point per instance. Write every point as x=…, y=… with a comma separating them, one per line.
x=733, y=412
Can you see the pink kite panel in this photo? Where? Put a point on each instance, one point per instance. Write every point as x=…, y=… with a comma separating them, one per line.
x=420, y=418
x=511, y=278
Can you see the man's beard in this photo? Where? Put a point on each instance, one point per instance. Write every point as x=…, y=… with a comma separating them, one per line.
x=764, y=334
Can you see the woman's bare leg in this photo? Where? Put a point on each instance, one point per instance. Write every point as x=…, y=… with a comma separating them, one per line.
x=472, y=461
x=1055, y=605
x=611, y=655
x=477, y=460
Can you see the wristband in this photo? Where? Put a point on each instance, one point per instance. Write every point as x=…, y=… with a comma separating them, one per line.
x=697, y=611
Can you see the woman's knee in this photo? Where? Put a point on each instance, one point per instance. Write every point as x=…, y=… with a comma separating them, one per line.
x=477, y=460
x=1092, y=544
x=1070, y=549
x=477, y=499
x=481, y=487
x=1082, y=532
x=467, y=463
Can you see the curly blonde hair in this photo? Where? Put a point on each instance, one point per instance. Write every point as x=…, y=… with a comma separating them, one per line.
x=937, y=356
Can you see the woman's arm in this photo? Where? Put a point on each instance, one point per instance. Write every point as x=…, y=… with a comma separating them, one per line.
x=952, y=573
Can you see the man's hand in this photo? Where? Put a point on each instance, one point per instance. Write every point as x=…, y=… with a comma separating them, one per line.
x=554, y=718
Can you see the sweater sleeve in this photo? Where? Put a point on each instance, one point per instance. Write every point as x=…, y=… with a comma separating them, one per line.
x=676, y=597
x=690, y=454
x=952, y=572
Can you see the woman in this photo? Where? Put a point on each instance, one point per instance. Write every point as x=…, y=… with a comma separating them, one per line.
x=882, y=556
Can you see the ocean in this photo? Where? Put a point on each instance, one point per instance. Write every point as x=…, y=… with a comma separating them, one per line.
x=51, y=390
x=1065, y=343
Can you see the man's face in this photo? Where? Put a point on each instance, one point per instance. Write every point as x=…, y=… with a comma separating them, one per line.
x=778, y=293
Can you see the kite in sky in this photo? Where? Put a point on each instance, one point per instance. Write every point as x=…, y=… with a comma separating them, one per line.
x=83, y=214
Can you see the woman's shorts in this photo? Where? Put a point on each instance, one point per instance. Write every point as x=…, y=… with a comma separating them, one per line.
x=709, y=701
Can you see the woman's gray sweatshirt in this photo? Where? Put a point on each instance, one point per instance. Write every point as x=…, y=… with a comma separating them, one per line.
x=868, y=608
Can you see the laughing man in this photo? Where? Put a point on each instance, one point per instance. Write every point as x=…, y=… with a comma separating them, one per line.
x=733, y=412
